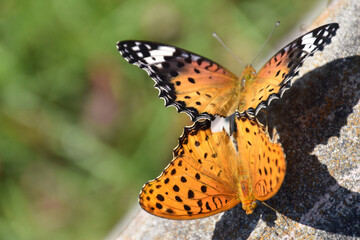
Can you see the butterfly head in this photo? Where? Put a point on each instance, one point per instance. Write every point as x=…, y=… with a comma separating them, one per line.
x=248, y=76
x=249, y=207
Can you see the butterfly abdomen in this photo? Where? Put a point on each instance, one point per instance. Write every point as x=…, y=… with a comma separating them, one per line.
x=246, y=196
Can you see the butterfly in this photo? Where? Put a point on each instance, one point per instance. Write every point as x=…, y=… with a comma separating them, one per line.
x=204, y=89
x=212, y=172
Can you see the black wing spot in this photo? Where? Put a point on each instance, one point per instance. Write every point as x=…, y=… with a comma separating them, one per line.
x=174, y=73
x=177, y=198
x=190, y=194
x=198, y=103
x=183, y=179
x=197, y=70
x=191, y=80
x=169, y=211
x=197, y=176
x=160, y=197
x=173, y=171
x=159, y=206
x=167, y=181
x=208, y=206
x=178, y=83
x=197, y=143
x=176, y=188
x=203, y=188
x=187, y=208
x=278, y=72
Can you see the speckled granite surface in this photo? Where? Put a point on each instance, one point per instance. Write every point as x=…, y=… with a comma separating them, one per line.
x=318, y=121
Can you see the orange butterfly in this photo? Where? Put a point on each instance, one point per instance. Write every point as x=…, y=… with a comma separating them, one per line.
x=212, y=172
x=204, y=89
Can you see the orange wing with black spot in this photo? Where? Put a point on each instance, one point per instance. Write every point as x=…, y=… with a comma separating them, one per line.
x=264, y=157
x=197, y=183
x=210, y=173
x=274, y=78
x=187, y=81
x=204, y=89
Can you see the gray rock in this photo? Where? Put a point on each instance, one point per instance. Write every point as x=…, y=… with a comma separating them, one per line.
x=318, y=121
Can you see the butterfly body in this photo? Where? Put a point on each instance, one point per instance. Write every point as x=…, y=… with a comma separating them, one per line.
x=204, y=89
x=210, y=174
x=247, y=79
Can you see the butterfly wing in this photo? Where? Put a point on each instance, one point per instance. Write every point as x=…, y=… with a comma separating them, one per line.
x=266, y=158
x=196, y=183
x=191, y=83
x=274, y=78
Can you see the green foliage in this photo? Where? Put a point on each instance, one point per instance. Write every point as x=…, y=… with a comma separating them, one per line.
x=80, y=129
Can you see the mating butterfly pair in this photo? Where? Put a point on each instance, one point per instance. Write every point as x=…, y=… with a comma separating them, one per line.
x=209, y=173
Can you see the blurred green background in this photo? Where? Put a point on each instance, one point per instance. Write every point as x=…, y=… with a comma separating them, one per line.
x=81, y=130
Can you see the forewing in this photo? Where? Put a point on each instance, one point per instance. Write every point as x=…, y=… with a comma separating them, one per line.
x=274, y=78
x=191, y=83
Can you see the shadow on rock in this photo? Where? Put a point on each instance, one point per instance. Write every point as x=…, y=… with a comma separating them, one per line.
x=314, y=109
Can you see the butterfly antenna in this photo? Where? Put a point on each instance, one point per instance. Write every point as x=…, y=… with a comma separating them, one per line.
x=281, y=217
x=267, y=40
x=227, y=49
